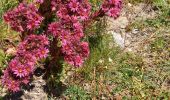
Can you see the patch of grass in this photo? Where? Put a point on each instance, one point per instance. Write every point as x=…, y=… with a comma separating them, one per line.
x=154, y=2
x=159, y=2
x=126, y=75
x=76, y=93
x=158, y=44
x=159, y=23
x=108, y=66
x=162, y=20
x=159, y=70
x=155, y=81
x=100, y=55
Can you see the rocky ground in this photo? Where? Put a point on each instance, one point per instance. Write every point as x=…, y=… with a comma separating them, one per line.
x=129, y=38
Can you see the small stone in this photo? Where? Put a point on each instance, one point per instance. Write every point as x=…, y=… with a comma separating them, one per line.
x=135, y=31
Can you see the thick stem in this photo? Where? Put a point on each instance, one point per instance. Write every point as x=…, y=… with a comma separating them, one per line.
x=45, y=11
x=55, y=53
x=53, y=64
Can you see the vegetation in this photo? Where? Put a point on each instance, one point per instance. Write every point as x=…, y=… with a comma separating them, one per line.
x=110, y=72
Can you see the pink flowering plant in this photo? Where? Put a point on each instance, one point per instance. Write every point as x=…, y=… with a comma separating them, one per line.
x=51, y=30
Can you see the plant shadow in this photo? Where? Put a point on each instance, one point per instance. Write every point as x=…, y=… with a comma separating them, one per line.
x=13, y=96
x=56, y=91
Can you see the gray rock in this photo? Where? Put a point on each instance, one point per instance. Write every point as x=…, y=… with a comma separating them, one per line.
x=119, y=39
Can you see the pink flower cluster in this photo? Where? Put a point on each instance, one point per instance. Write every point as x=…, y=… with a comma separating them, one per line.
x=68, y=8
x=112, y=8
x=69, y=29
x=73, y=16
x=31, y=50
x=73, y=49
x=25, y=17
